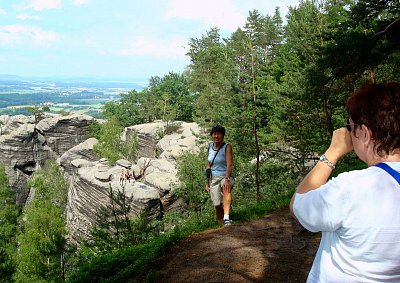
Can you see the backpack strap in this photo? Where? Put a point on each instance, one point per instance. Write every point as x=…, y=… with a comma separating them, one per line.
x=390, y=170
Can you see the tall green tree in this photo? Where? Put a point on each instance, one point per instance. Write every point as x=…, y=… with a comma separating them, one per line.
x=367, y=40
x=212, y=77
x=311, y=102
x=41, y=243
x=116, y=227
x=113, y=228
x=164, y=98
x=9, y=213
x=173, y=93
x=253, y=50
x=128, y=110
x=330, y=48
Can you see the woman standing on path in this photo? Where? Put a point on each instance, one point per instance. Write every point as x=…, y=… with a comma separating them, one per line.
x=220, y=183
x=358, y=212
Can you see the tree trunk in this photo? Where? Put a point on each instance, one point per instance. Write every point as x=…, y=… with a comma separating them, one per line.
x=255, y=124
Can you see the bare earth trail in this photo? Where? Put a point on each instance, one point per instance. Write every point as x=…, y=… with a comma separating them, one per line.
x=270, y=249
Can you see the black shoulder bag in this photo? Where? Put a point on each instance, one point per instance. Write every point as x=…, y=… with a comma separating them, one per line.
x=208, y=170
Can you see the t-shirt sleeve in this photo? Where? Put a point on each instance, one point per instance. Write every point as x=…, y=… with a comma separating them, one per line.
x=322, y=209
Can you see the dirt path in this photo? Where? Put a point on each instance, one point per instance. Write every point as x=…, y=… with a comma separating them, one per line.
x=271, y=249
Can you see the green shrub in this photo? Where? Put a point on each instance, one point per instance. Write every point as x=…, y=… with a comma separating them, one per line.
x=171, y=128
x=94, y=129
x=192, y=181
x=110, y=144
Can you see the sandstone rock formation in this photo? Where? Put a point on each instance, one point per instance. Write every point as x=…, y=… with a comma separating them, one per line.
x=154, y=172
x=89, y=190
x=161, y=168
x=64, y=132
x=25, y=146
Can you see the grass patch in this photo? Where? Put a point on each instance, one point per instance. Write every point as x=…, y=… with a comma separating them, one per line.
x=255, y=210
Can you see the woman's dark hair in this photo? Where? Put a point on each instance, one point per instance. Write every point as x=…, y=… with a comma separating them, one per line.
x=377, y=106
x=217, y=129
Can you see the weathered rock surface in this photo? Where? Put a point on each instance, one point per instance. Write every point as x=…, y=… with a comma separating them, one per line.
x=154, y=171
x=25, y=146
x=83, y=150
x=89, y=190
x=64, y=132
x=9, y=124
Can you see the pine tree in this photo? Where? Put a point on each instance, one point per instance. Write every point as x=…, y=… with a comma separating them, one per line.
x=112, y=228
x=41, y=243
x=9, y=213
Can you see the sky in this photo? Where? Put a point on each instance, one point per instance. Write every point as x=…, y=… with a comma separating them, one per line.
x=114, y=39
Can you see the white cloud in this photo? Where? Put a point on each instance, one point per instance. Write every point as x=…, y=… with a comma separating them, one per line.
x=2, y=11
x=27, y=17
x=14, y=35
x=155, y=47
x=80, y=2
x=40, y=5
x=222, y=13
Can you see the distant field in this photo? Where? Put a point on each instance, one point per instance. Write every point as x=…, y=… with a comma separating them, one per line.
x=90, y=109
x=77, y=97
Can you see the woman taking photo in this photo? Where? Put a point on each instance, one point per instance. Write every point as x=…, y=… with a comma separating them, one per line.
x=358, y=212
x=220, y=183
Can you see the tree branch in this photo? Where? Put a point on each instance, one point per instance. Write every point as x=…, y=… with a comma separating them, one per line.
x=388, y=27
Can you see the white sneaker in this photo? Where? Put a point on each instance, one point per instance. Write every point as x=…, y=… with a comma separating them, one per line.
x=227, y=222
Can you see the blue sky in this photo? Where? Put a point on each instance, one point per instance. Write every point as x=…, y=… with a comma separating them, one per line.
x=120, y=39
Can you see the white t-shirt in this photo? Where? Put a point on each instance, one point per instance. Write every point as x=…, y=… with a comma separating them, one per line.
x=358, y=214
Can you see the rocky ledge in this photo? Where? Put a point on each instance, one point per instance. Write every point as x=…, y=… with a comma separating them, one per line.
x=25, y=146
x=153, y=175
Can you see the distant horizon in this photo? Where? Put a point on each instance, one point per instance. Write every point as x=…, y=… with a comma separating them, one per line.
x=76, y=78
x=72, y=39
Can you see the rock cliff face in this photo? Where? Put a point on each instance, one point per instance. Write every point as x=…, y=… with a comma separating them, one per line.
x=155, y=173
x=64, y=132
x=25, y=146
x=89, y=190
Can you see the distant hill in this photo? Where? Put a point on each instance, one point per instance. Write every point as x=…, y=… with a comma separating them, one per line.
x=136, y=83
x=100, y=84
x=5, y=77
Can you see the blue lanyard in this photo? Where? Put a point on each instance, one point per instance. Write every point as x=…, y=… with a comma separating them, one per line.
x=390, y=170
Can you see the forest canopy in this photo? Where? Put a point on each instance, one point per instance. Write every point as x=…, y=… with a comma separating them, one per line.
x=273, y=83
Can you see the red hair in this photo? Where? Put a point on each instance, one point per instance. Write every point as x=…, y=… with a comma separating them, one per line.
x=377, y=106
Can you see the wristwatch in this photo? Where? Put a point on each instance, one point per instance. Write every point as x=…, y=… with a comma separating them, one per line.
x=326, y=161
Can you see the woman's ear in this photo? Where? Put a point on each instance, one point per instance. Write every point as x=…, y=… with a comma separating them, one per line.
x=365, y=134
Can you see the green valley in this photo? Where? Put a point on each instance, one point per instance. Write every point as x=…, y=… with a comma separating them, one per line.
x=60, y=95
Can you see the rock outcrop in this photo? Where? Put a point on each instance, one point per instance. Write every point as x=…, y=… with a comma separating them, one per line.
x=83, y=151
x=64, y=132
x=90, y=186
x=25, y=146
x=161, y=168
x=154, y=171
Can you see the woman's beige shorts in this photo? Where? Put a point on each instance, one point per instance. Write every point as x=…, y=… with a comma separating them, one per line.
x=216, y=185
